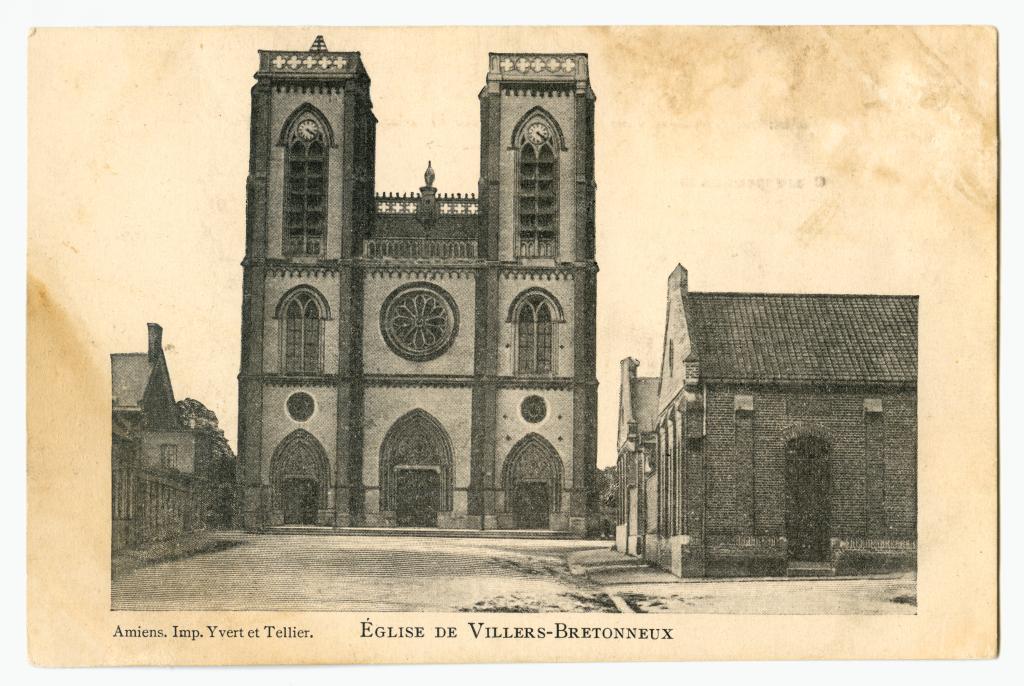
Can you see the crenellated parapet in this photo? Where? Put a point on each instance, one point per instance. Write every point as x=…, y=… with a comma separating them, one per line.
x=317, y=62
x=447, y=203
x=561, y=66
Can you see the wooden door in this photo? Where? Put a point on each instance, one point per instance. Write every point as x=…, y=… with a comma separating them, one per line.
x=532, y=505
x=418, y=495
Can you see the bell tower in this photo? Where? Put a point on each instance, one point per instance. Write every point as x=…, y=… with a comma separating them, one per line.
x=309, y=203
x=539, y=284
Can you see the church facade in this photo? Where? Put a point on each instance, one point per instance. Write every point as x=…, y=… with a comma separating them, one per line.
x=418, y=359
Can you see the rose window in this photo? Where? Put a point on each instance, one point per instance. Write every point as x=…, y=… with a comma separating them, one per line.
x=419, y=321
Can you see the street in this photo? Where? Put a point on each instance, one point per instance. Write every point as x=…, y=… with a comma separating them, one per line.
x=366, y=573
x=237, y=571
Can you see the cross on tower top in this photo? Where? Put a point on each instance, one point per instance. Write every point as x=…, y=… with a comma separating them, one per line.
x=319, y=45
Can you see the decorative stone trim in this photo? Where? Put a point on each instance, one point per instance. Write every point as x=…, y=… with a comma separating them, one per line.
x=419, y=272
x=535, y=63
x=876, y=544
x=691, y=373
x=417, y=381
x=406, y=203
x=539, y=273
x=419, y=249
x=746, y=541
x=295, y=380
x=548, y=90
x=743, y=403
x=287, y=62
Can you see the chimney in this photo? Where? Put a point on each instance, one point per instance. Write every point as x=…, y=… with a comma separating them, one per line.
x=677, y=280
x=156, y=342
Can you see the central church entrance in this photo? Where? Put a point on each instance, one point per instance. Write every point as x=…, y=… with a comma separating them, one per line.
x=416, y=470
x=532, y=505
x=419, y=497
x=807, y=499
x=300, y=498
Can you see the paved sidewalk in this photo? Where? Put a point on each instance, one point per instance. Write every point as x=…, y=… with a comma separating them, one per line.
x=639, y=587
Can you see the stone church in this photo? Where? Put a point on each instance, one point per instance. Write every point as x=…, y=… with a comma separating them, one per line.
x=418, y=359
x=778, y=438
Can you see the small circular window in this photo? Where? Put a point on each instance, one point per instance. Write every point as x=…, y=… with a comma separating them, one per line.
x=419, y=321
x=300, y=406
x=534, y=409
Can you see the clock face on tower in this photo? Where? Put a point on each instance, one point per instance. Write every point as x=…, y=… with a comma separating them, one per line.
x=537, y=133
x=307, y=129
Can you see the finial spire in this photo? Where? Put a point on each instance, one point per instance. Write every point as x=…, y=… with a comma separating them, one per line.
x=319, y=45
x=428, y=175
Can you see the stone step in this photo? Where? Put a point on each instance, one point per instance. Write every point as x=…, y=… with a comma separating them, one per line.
x=800, y=568
x=421, y=532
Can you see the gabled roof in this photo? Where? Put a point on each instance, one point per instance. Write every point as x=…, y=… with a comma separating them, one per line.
x=765, y=337
x=129, y=374
x=638, y=403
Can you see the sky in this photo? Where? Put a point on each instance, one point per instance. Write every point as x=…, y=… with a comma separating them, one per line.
x=854, y=160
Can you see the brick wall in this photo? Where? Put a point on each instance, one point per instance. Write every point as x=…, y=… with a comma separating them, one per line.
x=873, y=460
x=732, y=510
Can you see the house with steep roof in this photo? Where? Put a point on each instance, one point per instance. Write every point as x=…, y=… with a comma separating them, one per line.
x=167, y=478
x=784, y=435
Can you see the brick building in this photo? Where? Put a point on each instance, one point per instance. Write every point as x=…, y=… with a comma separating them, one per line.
x=783, y=439
x=418, y=359
x=167, y=478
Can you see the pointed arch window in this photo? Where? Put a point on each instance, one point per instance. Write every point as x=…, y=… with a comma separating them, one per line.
x=305, y=187
x=534, y=316
x=303, y=316
x=537, y=190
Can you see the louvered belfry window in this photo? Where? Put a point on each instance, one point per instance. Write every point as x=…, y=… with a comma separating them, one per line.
x=305, y=181
x=537, y=193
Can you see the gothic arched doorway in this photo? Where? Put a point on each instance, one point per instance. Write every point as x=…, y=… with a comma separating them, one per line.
x=807, y=498
x=416, y=470
x=532, y=479
x=299, y=474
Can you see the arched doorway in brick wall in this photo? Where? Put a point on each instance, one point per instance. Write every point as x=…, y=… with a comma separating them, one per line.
x=808, y=497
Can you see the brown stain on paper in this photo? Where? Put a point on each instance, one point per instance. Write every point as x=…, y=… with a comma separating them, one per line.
x=67, y=400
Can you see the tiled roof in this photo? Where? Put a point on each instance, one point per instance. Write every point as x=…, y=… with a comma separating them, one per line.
x=790, y=337
x=129, y=374
x=409, y=226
